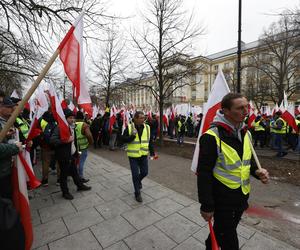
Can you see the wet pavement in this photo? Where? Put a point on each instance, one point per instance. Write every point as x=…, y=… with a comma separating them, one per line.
x=108, y=217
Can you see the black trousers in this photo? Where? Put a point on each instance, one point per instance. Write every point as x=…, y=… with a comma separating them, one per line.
x=225, y=224
x=13, y=238
x=68, y=168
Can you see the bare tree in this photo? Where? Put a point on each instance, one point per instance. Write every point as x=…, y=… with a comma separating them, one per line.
x=110, y=65
x=29, y=27
x=166, y=38
x=258, y=87
x=278, y=57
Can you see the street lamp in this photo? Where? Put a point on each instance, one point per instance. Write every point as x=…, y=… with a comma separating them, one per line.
x=239, y=51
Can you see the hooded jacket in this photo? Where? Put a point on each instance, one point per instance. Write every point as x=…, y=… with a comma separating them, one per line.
x=212, y=194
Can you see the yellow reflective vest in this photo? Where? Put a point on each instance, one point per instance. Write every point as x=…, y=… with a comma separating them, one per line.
x=82, y=141
x=137, y=147
x=43, y=124
x=23, y=126
x=258, y=127
x=230, y=169
x=284, y=127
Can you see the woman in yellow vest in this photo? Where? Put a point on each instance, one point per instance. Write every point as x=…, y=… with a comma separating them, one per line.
x=224, y=167
x=137, y=137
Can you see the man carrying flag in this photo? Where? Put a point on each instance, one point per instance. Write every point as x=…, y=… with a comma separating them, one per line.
x=66, y=153
x=12, y=234
x=224, y=167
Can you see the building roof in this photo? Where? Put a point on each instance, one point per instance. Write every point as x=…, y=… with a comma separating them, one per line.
x=228, y=52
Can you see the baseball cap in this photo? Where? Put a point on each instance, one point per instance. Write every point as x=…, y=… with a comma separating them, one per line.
x=7, y=102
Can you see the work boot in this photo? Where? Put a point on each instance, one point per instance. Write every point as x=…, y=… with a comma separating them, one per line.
x=68, y=196
x=138, y=198
x=83, y=188
x=83, y=180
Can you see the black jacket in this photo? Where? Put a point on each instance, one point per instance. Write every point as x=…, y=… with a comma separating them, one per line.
x=62, y=150
x=212, y=194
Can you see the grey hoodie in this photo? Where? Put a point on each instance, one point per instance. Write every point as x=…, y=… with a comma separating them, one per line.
x=220, y=118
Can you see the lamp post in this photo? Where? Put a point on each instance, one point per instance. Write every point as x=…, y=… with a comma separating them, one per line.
x=239, y=50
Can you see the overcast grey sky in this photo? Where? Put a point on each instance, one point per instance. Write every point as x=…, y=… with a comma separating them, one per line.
x=220, y=17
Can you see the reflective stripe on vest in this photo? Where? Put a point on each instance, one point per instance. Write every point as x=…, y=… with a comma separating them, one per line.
x=24, y=126
x=137, y=147
x=283, y=129
x=43, y=124
x=230, y=169
x=82, y=141
x=258, y=127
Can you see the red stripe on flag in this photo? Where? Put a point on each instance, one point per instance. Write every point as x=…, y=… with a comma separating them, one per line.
x=70, y=56
x=209, y=117
x=22, y=206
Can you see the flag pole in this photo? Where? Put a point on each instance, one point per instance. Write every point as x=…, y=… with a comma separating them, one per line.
x=26, y=98
x=255, y=156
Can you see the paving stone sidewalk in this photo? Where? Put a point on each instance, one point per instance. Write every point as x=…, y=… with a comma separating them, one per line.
x=108, y=217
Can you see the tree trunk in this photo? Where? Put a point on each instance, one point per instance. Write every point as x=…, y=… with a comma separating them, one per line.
x=161, y=105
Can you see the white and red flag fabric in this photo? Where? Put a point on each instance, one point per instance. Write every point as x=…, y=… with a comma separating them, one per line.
x=126, y=118
x=20, y=198
x=71, y=55
x=58, y=115
x=218, y=91
x=172, y=117
x=252, y=114
x=275, y=109
x=21, y=173
x=41, y=107
x=297, y=110
x=166, y=118
x=112, y=118
x=15, y=94
x=72, y=107
x=289, y=116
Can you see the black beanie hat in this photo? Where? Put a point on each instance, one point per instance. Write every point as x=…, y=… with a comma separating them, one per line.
x=68, y=113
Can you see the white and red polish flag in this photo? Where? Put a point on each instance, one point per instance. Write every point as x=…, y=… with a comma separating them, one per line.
x=218, y=91
x=112, y=118
x=289, y=116
x=72, y=107
x=166, y=118
x=20, y=198
x=126, y=117
x=58, y=115
x=297, y=110
x=275, y=109
x=41, y=107
x=71, y=55
x=252, y=114
x=21, y=173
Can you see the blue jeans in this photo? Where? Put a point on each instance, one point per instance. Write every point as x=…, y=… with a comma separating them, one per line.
x=139, y=170
x=279, y=142
x=82, y=159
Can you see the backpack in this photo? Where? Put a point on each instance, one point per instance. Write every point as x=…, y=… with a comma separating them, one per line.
x=48, y=132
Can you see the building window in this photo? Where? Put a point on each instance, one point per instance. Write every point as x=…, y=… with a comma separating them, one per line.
x=216, y=67
x=226, y=65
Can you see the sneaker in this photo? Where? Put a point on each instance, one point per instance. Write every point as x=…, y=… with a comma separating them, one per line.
x=83, y=188
x=57, y=182
x=83, y=180
x=138, y=198
x=68, y=196
x=45, y=182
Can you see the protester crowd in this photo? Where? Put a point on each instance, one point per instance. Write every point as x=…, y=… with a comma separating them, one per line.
x=136, y=132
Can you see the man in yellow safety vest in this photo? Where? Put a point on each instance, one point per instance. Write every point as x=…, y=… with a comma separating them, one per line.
x=224, y=167
x=139, y=143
